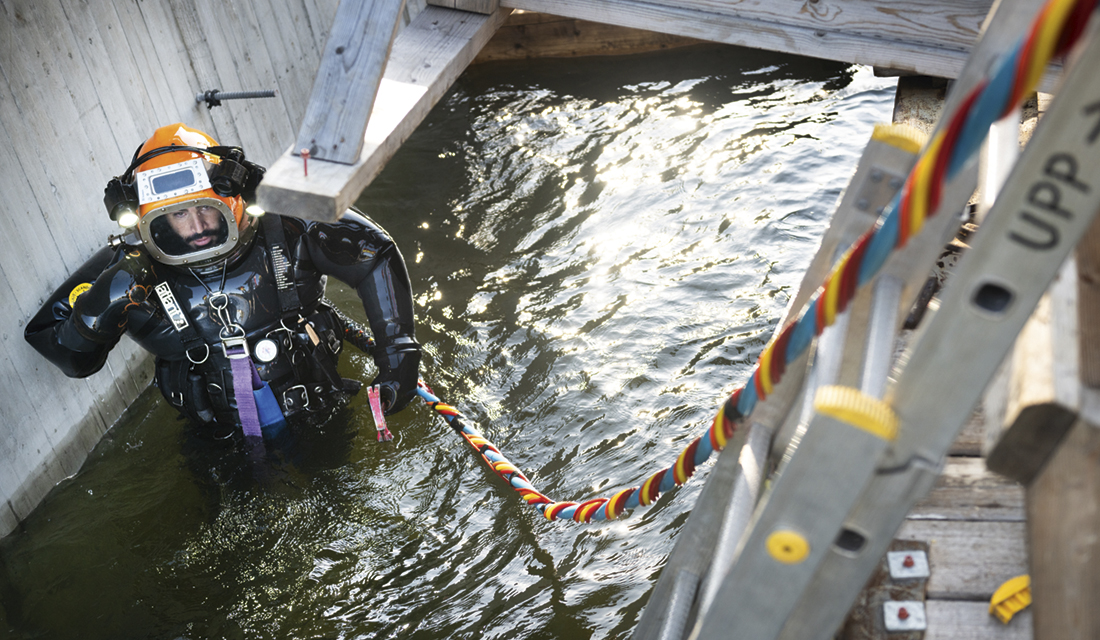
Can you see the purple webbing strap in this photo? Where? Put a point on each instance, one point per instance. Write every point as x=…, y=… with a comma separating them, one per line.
x=243, y=372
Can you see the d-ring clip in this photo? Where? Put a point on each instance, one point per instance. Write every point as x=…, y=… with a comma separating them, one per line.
x=204, y=357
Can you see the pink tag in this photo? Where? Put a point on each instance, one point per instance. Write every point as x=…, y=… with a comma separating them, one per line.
x=375, y=397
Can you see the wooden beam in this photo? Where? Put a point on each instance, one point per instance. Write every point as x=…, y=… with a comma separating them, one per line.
x=969, y=560
x=537, y=35
x=476, y=6
x=923, y=37
x=347, y=81
x=967, y=490
x=1088, y=306
x=425, y=59
x=1040, y=403
x=1063, y=509
x=920, y=37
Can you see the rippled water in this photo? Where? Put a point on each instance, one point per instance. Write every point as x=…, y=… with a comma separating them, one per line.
x=600, y=249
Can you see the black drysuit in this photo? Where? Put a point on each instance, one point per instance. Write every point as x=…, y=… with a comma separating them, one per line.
x=193, y=372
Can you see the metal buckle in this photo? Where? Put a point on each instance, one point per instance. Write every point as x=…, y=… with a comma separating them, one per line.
x=296, y=397
x=334, y=342
x=205, y=357
x=284, y=339
x=235, y=341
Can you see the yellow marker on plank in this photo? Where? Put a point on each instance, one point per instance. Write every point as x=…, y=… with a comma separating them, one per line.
x=1010, y=598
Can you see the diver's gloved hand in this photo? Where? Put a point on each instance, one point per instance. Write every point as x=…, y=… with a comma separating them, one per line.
x=393, y=397
x=398, y=374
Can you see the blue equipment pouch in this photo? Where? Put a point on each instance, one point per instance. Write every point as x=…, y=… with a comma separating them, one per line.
x=271, y=417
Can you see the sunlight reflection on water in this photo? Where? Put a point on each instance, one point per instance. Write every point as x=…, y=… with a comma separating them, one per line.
x=600, y=248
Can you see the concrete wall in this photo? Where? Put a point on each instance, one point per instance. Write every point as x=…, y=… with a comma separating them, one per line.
x=82, y=84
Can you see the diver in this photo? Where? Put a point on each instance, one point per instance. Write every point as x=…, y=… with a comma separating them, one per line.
x=230, y=300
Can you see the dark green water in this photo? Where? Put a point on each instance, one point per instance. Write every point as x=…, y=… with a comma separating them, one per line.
x=600, y=248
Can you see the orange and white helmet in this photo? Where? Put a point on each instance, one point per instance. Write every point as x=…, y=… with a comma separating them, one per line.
x=188, y=191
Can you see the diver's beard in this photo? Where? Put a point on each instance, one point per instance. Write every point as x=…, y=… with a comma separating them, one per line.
x=213, y=234
x=234, y=257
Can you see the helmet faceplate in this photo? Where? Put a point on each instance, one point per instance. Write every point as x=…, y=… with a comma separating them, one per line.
x=182, y=220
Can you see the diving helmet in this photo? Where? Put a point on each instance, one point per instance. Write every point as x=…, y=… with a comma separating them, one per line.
x=188, y=195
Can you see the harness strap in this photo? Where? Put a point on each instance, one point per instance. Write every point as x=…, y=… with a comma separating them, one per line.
x=180, y=321
x=280, y=264
x=243, y=373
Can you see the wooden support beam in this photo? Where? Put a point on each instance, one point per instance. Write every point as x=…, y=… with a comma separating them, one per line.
x=425, y=59
x=477, y=6
x=537, y=35
x=1063, y=514
x=1040, y=399
x=347, y=81
x=1088, y=306
x=922, y=37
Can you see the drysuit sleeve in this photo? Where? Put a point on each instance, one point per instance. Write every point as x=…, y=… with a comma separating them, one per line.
x=84, y=319
x=362, y=255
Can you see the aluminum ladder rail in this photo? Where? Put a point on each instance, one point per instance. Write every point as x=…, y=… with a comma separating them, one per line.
x=704, y=551
x=846, y=489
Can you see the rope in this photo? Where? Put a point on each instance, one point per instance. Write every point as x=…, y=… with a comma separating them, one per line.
x=1056, y=27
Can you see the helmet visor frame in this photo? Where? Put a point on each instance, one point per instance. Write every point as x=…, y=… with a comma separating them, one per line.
x=168, y=246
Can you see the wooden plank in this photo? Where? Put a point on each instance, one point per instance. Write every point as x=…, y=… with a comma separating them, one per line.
x=969, y=560
x=1088, y=305
x=425, y=59
x=1063, y=508
x=948, y=25
x=967, y=490
x=535, y=35
x=962, y=620
x=808, y=29
x=778, y=33
x=1042, y=392
x=347, y=81
x=476, y=6
x=969, y=442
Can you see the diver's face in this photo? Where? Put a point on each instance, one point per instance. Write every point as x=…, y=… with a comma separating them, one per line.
x=197, y=226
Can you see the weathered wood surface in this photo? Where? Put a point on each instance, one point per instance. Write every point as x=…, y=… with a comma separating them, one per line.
x=962, y=620
x=969, y=560
x=1063, y=509
x=476, y=6
x=1040, y=396
x=425, y=59
x=1088, y=306
x=536, y=35
x=347, y=81
x=928, y=38
x=966, y=490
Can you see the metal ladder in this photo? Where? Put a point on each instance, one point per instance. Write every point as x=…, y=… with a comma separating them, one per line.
x=860, y=462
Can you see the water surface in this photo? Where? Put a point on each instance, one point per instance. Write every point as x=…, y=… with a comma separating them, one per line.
x=599, y=248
